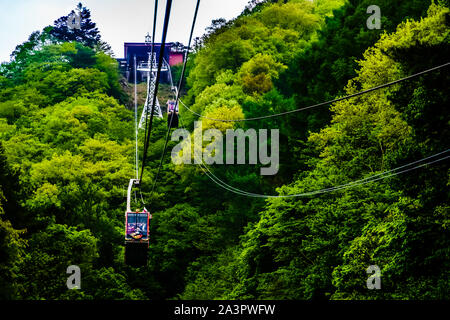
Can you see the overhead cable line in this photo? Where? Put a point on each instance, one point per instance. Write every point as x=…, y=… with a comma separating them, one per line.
x=232, y=189
x=180, y=83
x=135, y=117
x=380, y=176
x=155, y=16
x=372, y=178
x=224, y=185
x=322, y=103
x=158, y=75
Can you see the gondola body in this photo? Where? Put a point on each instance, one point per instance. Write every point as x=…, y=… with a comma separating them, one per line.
x=172, y=120
x=172, y=114
x=137, y=232
x=136, y=238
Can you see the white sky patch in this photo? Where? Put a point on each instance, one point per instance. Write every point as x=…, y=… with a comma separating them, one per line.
x=118, y=21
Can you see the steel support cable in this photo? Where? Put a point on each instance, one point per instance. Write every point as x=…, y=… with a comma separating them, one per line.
x=370, y=179
x=163, y=155
x=351, y=184
x=322, y=103
x=180, y=83
x=135, y=119
x=155, y=16
x=158, y=75
x=171, y=81
x=318, y=192
x=373, y=178
x=327, y=190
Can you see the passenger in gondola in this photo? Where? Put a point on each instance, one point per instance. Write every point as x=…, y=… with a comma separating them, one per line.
x=172, y=114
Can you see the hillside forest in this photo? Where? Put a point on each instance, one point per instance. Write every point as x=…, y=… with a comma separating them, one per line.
x=67, y=148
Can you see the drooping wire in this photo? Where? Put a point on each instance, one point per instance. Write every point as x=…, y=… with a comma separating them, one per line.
x=372, y=178
x=180, y=83
x=135, y=117
x=158, y=75
x=322, y=103
x=155, y=180
x=150, y=74
x=352, y=184
x=215, y=179
x=155, y=16
x=383, y=175
x=171, y=82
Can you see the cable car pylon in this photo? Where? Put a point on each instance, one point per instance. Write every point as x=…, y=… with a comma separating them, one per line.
x=151, y=85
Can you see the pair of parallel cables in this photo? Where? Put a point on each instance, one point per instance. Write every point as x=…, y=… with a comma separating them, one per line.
x=386, y=174
x=148, y=126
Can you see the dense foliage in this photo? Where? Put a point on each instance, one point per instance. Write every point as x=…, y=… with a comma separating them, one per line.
x=67, y=152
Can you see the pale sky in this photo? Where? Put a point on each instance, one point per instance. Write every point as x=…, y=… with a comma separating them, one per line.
x=118, y=21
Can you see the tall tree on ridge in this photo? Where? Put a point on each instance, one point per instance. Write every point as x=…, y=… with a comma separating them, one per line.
x=86, y=33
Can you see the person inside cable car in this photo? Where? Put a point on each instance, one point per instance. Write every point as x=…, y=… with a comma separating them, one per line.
x=172, y=114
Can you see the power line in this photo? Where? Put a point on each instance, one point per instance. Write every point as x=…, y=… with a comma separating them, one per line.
x=224, y=185
x=352, y=184
x=154, y=19
x=373, y=178
x=177, y=95
x=322, y=103
x=158, y=75
x=155, y=15
x=135, y=117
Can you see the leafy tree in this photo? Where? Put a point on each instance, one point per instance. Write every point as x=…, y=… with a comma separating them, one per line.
x=12, y=251
x=212, y=278
x=321, y=71
x=180, y=233
x=302, y=249
x=257, y=74
x=87, y=34
x=50, y=252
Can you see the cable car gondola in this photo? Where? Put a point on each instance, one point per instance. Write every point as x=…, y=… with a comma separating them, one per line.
x=172, y=114
x=137, y=224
